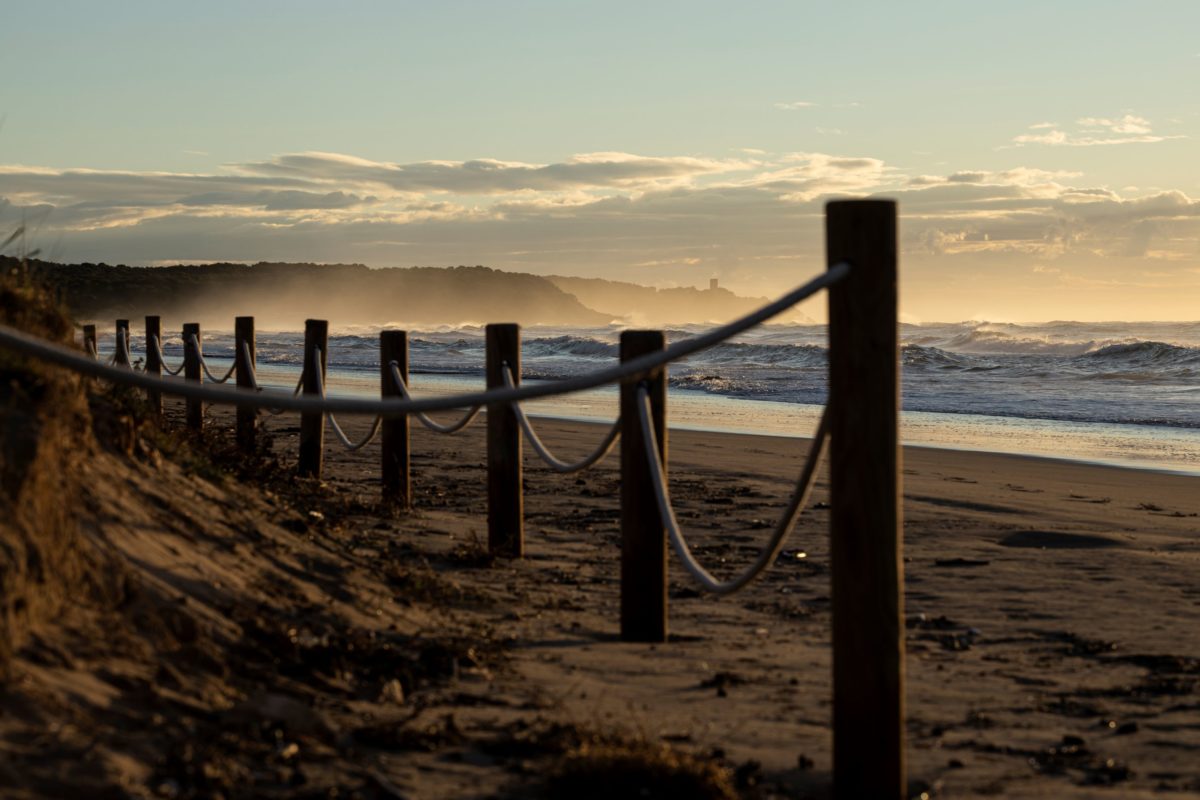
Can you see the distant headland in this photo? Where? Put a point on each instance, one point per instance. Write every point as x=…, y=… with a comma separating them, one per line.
x=282, y=295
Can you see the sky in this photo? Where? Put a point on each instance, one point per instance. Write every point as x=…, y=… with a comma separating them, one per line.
x=1044, y=155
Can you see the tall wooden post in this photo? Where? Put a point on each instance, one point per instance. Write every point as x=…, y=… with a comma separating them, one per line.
x=312, y=426
x=154, y=365
x=397, y=484
x=506, y=505
x=193, y=350
x=121, y=343
x=245, y=356
x=89, y=340
x=865, y=518
x=643, y=538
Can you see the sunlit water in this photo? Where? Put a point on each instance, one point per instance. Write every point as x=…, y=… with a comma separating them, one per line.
x=1119, y=393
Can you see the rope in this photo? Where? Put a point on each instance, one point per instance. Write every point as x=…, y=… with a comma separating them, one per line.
x=453, y=427
x=347, y=442
x=249, y=361
x=397, y=407
x=556, y=464
x=90, y=349
x=195, y=342
x=157, y=345
x=774, y=544
x=121, y=350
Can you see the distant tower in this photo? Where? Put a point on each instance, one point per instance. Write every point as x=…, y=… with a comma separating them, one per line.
x=712, y=284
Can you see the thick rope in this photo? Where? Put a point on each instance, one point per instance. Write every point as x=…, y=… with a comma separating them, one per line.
x=436, y=427
x=195, y=342
x=774, y=544
x=121, y=351
x=346, y=441
x=633, y=369
x=157, y=345
x=554, y=463
x=246, y=357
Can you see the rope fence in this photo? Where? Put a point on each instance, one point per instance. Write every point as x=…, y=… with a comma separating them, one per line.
x=859, y=428
x=436, y=427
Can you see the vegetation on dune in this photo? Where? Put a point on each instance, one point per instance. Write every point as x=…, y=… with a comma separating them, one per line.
x=45, y=430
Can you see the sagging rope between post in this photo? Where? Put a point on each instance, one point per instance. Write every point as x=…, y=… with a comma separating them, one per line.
x=253, y=376
x=347, y=442
x=194, y=342
x=436, y=427
x=554, y=463
x=774, y=544
x=158, y=353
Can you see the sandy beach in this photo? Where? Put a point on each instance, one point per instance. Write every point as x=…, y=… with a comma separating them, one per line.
x=1047, y=602
x=1052, y=613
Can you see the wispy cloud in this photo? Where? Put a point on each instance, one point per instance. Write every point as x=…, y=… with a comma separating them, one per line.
x=1093, y=132
x=795, y=105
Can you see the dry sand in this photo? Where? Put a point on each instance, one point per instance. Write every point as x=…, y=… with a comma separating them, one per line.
x=1053, y=637
x=1045, y=599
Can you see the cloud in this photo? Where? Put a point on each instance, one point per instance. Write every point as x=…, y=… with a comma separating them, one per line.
x=1126, y=124
x=795, y=105
x=619, y=215
x=489, y=176
x=1094, y=131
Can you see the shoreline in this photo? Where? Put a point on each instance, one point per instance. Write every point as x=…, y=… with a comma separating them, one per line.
x=1138, y=445
x=1065, y=461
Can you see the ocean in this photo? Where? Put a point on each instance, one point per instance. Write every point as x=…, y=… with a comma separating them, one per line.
x=1115, y=392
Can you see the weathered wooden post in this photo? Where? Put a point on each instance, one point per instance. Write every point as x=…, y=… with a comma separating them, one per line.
x=397, y=484
x=643, y=538
x=121, y=344
x=245, y=356
x=89, y=340
x=154, y=365
x=506, y=505
x=865, y=517
x=193, y=351
x=312, y=425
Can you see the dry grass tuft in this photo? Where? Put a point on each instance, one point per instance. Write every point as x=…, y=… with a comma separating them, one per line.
x=636, y=768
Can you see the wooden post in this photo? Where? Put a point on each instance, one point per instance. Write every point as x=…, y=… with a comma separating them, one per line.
x=506, y=518
x=865, y=518
x=245, y=357
x=312, y=426
x=397, y=483
x=154, y=365
x=643, y=538
x=121, y=343
x=192, y=352
x=89, y=338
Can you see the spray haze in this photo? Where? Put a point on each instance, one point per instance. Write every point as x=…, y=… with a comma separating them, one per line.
x=282, y=296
